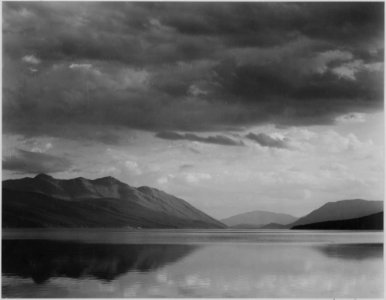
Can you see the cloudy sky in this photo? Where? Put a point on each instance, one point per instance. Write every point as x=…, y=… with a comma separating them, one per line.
x=231, y=106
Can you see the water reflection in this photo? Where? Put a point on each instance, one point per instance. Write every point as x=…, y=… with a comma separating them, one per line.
x=42, y=259
x=352, y=251
x=196, y=265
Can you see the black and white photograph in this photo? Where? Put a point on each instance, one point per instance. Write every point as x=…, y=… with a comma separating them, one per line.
x=155, y=149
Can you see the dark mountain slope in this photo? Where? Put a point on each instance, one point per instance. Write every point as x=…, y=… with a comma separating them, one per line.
x=371, y=222
x=341, y=210
x=44, y=201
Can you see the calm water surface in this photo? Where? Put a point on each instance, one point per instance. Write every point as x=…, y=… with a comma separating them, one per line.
x=102, y=263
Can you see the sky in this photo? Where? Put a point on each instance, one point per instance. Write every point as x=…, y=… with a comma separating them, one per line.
x=231, y=106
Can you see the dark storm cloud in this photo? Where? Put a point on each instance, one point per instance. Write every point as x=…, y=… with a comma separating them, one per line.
x=267, y=141
x=187, y=66
x=217, y=139
x=34, y=162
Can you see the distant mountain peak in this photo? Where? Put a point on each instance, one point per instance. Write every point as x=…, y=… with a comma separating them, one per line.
x=108, y=180
x=145, y=187
x=258, y=218
x=44, y=176
x=80, y=179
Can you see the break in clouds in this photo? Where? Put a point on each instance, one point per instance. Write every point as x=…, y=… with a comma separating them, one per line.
x=169, y=67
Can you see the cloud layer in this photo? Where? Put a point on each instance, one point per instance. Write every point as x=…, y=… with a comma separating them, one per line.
x=267, y=141
x=35, y=162
x=187, y=66
x=217, y=139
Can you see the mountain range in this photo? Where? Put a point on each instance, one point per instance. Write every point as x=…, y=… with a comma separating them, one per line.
x=340, y=210
x=371, y=222
x=44, y=201
x=337, y=211
x=257, y=219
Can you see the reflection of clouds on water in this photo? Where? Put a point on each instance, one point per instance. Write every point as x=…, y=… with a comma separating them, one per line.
x=196, y=280
x=242, y=270
x=280, y=271
x=162, y=277
x=106, y=287
x=264, y=271
x=131, y=290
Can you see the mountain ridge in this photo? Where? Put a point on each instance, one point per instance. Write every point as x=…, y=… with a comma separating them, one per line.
x=340, y=210
x=257, y=219
x=107, y=196
x=370, y=222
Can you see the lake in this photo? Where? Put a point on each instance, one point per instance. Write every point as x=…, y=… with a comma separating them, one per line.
x=103, y=263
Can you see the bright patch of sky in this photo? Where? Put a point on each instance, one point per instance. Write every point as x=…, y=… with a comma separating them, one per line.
x=323, y=163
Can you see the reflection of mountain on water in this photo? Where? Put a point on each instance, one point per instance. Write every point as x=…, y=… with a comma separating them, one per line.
x=352, y=251
x=43, y=259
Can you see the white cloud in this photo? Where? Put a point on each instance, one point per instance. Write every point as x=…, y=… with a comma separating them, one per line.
x=117, y=78
x=37, y=145
x=25, y=13
x=348, y=70
x=41, y=148
x=321, y=61
x=133, y=167
x=31, y=59
x=196, y=177
x=131, y=78
x=196, y=91
x=374, y=67
x=162, y=180
x=108, y=170
x=156, y=26
x=80, y=66
x=330, y=141
x=351, y=118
